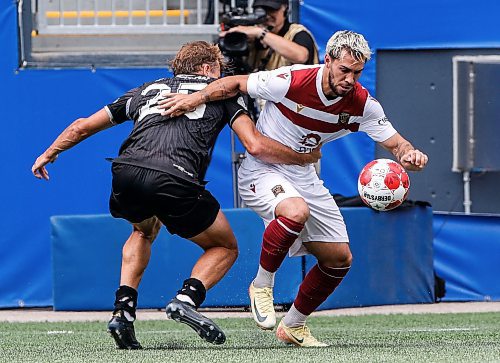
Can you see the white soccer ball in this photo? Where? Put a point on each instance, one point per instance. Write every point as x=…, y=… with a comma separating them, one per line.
x=383, y=184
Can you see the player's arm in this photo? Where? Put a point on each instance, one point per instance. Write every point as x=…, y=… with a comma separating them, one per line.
x=267, y=149
x=78, y=131
x=411, y=158
x=176, y=104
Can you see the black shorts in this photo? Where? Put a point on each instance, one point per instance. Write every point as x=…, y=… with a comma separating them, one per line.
x=185, y=208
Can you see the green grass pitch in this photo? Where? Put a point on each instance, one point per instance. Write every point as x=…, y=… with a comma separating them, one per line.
x=374, y=338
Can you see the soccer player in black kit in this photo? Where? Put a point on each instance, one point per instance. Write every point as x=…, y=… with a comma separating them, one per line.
x=158, y=178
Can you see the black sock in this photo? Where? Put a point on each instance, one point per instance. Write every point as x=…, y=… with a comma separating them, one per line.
x=195, y=290
x=125, y=301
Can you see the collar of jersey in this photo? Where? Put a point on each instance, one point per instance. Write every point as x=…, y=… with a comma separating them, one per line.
x=319, y=88
x=193, y=76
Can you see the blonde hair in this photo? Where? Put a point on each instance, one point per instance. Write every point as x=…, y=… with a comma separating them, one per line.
x=353, y=43
x=193, y=55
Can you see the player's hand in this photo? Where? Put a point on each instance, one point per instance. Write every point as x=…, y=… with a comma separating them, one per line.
x=38, y=169
x=313, y=156
x=176, y=104
x=414, y=160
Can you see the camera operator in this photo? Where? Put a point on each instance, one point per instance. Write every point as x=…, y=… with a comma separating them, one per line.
x=277, y=42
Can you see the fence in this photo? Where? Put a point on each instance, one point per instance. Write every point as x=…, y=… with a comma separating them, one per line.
x=125, y=16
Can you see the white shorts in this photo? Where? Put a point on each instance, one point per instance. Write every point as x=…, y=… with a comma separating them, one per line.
x=262, y=189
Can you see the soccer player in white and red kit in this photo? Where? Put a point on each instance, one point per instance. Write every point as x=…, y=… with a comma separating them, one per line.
x=306, y=107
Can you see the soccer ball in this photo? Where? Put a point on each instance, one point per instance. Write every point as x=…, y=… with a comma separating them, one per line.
x=383, y=184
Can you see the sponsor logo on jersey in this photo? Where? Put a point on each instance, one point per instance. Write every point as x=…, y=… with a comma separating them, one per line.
x=241, y=102
x=283, y=75
x=299, y=107
x=252, y=187
x=181, y=168
x=383, y=121
x=310, y=140
x=277, y=189
x=344, y=118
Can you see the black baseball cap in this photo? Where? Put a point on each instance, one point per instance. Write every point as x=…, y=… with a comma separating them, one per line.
x=274, y=4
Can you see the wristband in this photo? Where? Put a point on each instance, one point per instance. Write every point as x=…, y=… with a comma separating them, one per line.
x=263, y=34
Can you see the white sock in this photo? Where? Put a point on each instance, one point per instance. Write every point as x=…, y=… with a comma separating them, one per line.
x=185, y=298
x=264, y=278
x=294, y=318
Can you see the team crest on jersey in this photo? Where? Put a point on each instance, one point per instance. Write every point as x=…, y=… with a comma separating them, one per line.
x=283, y=75
x=252, y=187
x=344, y=117
x=310, y=140
x=277, y=189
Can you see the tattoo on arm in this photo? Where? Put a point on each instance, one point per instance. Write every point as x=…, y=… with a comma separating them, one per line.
x=220, y=92
x=204, y=96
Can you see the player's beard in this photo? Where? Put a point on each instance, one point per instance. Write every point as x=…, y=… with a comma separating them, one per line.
x=339, y=91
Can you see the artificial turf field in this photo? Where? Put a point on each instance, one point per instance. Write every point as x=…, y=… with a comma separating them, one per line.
x=464, y=337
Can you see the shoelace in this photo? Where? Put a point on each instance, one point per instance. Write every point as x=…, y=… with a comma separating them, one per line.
x=265, y=299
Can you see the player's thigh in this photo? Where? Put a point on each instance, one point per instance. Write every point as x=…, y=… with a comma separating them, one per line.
x=130, y=192
x=219, y=234
x=263, y=190
x=184, y=208
x=325, y=223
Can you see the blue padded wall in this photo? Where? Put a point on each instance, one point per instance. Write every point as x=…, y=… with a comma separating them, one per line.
x=87, y=256
x=392, y=264
x=467, y=255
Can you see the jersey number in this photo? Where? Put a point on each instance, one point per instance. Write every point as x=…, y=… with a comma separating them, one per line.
x=151, y=108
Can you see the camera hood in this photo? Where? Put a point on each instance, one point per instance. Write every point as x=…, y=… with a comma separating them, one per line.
x=234, y=44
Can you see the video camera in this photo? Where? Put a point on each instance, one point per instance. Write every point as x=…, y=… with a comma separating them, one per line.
x=235, y=45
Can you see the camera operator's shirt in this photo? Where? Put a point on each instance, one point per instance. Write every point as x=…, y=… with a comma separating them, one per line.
x=180, y=145
x=299, y=115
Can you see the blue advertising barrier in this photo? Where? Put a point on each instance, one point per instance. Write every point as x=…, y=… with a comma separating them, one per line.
x=392, y=262
x=467, y=255
x=87, y=258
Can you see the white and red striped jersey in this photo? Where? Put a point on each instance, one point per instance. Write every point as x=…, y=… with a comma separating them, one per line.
x=298, y=114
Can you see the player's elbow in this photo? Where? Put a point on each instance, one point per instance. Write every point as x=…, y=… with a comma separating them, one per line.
x=302, y=56
x=254, y=147
x=79, y=128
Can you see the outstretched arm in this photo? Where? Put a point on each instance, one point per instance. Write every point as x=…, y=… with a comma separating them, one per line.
x=176, y=104
x=267, y=149
x=78, y=131
x=409, y=157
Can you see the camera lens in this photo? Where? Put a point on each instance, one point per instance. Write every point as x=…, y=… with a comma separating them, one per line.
x=234, y=44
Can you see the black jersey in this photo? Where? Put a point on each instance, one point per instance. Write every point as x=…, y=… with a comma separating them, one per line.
x=179, y=145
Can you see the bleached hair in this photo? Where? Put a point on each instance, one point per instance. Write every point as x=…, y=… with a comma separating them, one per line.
x=354, y=43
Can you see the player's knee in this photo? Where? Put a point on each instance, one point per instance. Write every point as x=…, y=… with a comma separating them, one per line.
x=342, y=258
x=233, y=253
x=148, y=230
x=295, y=209
x=230, y=247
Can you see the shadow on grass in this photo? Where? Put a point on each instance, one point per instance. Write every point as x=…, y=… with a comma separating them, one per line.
x=180, y=346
